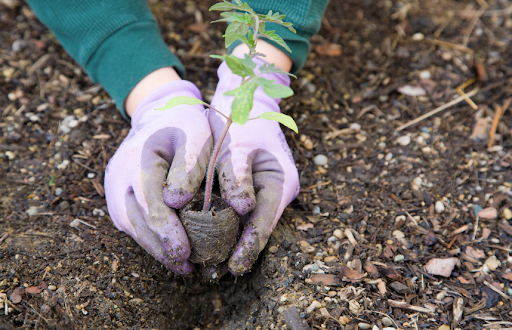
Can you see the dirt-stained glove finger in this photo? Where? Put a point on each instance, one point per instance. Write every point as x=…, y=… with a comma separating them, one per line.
x=187, y=171
x=275, y=189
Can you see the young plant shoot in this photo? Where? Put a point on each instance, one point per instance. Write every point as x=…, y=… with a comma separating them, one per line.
x=247, y=26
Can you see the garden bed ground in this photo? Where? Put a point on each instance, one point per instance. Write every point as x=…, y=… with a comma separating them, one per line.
x=349, y=228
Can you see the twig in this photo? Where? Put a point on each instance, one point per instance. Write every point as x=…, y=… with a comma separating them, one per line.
x=475, y=20
x=437, y=110
x=460, y=90
x=315, y=185
x=498, y=291
x=402, y=304
x=498, y=114
x=450, y=45
x=476, y=227
x=4, y=237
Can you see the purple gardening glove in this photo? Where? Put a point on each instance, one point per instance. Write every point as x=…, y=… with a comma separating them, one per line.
x=255, y=167
x=165, y=148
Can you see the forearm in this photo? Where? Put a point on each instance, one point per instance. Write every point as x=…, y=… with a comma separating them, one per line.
x=106, y=39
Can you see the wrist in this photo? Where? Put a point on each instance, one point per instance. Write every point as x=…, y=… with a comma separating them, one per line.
x=147, y=85
x=273, y=54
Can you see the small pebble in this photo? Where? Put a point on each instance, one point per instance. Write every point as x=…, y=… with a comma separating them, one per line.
x=273, y=249
x=439, y=207
x=10, y=155
x=316, y=267
x=386, y=322
x=404, y=140
x=507, y=214
x=441, y=295
x=444, y=327
x=314, y=305
x=63, y=165
x=283, y=298
x=418, y=36
x=91, y=175
x=98, y=212
x=488, y=213
x=399, y=258
x=64, y=129
x=32, y=211
x=477, y=209
x=332, y=239
x=320, y=160
x=389, y=156
x=338, y=233
x=400, y=218
x=136, y=301
x=398, y=234
x=400, y=288
x=425, y=74
x=364, y=326
x=330, y=259
x=280, y=310
x=316, y=210
x=45, y=309
x=310, y=249
x=52, y=287
x=58, y=191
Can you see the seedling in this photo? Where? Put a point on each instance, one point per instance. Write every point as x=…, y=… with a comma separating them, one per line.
x=247, y=26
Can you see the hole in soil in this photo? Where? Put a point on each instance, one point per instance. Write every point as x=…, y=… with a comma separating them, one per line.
x=231, y=304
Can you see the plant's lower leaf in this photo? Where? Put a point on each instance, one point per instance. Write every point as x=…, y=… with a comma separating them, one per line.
x=242, y=104
x=282, y=118
x=181, y=100
x=274, y=90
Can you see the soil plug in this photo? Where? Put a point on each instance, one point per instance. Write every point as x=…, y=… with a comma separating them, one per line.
x=213, y=231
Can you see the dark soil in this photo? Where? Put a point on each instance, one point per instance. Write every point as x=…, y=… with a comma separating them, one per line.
x=212, y=234
x=345, y=254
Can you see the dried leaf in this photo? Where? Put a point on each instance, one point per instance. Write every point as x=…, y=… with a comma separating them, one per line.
x=442, y=267
x=329, y=50
x=507, y=276
x=33, y=290
x=326, y=279
x=17, y=294
x=305, y=226
x=353, y=275
x=475, y=253
x=198, y=27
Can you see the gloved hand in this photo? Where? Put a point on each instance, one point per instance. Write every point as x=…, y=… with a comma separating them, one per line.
x=255, y=167
x=168, y=148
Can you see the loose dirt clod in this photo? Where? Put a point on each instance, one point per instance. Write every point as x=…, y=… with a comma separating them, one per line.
x=212, y=234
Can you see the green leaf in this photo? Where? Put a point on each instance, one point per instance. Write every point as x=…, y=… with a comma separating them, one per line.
x=282, y=118
x=242, y=104
x=237, y=28
x=231, y=38
x=181, y=100
x=235, y=17
x=276, y=18
x=248, y=62
x=270, y=68
x=238, y=66
x=276, y=91
x=227, y=6
x=251, y=42
x=52, y=180
x=277, y=39
x=224, y=6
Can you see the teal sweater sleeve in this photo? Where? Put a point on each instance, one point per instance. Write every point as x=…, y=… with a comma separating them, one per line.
x=117, y=42
x=306, y=17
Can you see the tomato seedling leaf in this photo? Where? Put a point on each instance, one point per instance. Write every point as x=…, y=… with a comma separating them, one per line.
x=276, y=91
x=282, y=118
x=242, y=104
x=181, y=100
x=276, y=38
x=271, y=68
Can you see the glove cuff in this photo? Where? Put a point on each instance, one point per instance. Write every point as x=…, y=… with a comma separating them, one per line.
x=161, y=95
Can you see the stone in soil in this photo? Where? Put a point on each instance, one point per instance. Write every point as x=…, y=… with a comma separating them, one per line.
x=212, y=234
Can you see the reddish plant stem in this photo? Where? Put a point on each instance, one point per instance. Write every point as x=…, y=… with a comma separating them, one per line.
x=211, y=166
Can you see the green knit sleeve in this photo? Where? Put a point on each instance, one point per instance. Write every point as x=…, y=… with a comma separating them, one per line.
x=306, y=17
x=117, y=42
